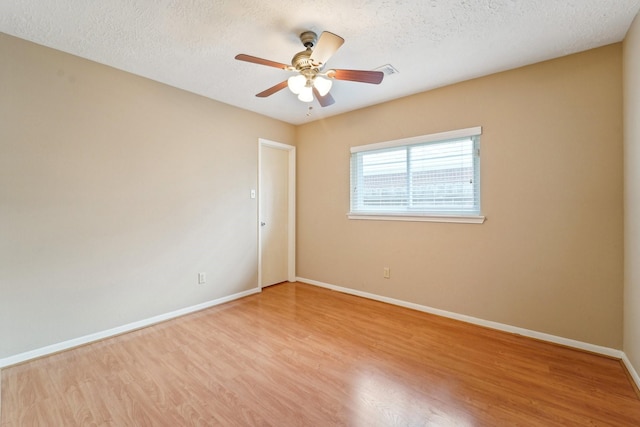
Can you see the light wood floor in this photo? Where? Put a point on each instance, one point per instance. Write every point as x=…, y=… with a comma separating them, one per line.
x=298, y=355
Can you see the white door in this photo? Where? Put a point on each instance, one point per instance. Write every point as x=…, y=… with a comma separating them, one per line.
x=276, y=213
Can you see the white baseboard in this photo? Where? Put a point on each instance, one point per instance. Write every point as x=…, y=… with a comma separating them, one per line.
x=632, y=371
x=606, y=351
x=76, y=342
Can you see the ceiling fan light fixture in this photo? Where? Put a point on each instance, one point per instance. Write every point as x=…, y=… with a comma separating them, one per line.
x=323, y=85
x=306, y=94
x=297, y=83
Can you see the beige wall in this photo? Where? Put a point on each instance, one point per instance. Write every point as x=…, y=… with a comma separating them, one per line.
x=115, y=191
x=549, y=256
x=632, y=193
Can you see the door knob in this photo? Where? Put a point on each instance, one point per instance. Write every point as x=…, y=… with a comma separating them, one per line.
x=262, y=224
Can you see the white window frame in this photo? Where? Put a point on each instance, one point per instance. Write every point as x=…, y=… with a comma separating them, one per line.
x=411, y=216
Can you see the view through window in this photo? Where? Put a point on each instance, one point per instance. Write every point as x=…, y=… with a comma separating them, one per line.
x=437, y=177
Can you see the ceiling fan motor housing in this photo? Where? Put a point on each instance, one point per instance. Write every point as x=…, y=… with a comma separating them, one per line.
x=302, y=60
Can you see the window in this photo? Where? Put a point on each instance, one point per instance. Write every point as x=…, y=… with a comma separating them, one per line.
x=427, y=178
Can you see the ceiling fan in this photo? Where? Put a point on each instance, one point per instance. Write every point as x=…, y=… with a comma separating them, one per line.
x=310, y=78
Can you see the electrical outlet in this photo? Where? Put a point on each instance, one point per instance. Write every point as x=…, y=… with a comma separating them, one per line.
x=202, y=278
x=386, y=273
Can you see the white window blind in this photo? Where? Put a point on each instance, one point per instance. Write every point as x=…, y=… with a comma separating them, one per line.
x=430, y=175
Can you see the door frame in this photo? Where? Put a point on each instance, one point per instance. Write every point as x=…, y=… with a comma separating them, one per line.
x=291, y=207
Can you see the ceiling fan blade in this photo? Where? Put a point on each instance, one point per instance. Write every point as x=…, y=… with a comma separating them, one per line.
x=272, y=90
x=362, y=76
x=256, y=60
x=327, y=45
x=324, y=101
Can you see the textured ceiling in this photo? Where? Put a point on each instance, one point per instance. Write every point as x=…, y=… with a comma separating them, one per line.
x=191, y=44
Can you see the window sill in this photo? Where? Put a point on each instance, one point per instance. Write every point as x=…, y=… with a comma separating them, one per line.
x=460, y=219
